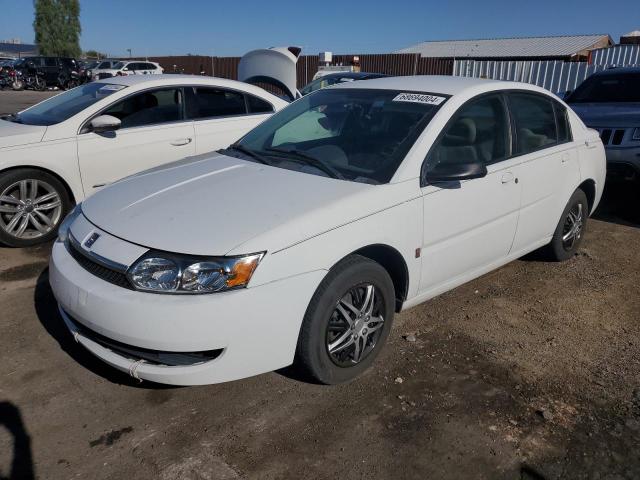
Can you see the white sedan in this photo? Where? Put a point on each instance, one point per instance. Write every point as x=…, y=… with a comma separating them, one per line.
x=301, y=241
x=65, y=148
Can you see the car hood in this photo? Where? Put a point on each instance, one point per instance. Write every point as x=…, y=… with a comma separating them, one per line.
x=211, y=205
x=13, y=134
x=608, y=114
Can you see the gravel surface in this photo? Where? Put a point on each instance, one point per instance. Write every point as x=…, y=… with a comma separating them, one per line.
x=530, y=372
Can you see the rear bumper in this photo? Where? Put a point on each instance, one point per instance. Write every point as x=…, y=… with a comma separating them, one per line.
x=252, y=331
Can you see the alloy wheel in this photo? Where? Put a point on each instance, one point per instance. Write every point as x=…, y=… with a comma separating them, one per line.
x=355, y=325
x=29, y=209
x=572, y=229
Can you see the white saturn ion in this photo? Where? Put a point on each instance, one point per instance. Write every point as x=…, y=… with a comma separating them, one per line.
x=63, y=149
x=299, y=242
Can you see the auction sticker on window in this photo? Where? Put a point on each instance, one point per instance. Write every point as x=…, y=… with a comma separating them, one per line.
x=419, y=98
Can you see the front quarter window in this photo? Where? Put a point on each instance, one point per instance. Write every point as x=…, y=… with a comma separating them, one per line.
x=65, y=105
x=360, y=135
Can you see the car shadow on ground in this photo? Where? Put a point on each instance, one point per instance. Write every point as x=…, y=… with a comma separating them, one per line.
x=47, y=311
x=620, y=204
x=22, y=461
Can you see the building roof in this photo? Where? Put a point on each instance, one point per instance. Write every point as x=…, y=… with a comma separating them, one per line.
x=18, y=49
x=508, y=47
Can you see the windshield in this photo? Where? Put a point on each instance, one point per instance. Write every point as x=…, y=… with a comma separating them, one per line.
x=65, y=105
x=609, y=88
x=360, y=135
x=118, y=65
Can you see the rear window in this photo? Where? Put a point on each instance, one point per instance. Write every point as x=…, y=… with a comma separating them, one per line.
x=608, y=88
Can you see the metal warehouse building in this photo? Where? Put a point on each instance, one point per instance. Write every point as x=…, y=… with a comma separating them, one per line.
x=567, y=48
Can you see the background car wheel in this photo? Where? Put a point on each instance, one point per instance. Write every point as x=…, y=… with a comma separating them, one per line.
x=32, y=205
x=571, y=228
x=347, y=321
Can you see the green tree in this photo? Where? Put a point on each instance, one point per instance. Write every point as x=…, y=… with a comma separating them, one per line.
x=57, y=27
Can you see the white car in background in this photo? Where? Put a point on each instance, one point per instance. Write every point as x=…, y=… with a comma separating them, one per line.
x=103, y=66
x=134, y=67
x=299, y=242
x=60, y=151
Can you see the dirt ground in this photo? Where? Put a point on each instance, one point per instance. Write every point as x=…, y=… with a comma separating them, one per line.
x=531, y=372
x=12, y=102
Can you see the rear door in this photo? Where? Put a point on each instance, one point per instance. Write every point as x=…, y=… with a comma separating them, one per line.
x=221, y=116
x=154, y=131
x=469, y=226
x=548, y=169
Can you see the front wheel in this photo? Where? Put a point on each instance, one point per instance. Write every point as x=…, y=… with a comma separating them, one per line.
x=571, y=228
x=17, y=84
x=32, y=205
x=347, y=321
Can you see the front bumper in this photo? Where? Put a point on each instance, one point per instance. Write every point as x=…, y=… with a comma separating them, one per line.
x=255, y=329
x=623, y=163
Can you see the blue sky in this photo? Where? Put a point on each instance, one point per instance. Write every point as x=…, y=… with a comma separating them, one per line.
x=209, y=27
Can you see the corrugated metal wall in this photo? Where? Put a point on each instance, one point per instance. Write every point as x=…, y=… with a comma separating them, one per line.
x=390, y=64
x=554, y=75
x=619, y=55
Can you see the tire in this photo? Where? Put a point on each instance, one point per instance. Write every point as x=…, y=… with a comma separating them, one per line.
x=577, y=210
x=39, y=201
x=325, y=324
x=17, y=85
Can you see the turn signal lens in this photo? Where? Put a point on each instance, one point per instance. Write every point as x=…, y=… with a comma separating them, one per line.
x=243, y=270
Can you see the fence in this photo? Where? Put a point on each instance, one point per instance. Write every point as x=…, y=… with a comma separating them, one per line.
x=389, y=64
x=619, y=55
x=554, y=75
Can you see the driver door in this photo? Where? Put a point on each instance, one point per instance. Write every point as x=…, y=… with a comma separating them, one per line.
x=153, y=132
x=469, y=226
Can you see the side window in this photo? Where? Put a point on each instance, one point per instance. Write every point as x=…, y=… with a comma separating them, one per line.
x=149, y=108
x=50, y=62
x=257, y=105
x=216, y=102
x=564, y=128
x=479, y=132
x=535, y=122
x=151, y=66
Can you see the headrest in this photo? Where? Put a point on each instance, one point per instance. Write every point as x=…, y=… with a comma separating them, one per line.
x=461, y=133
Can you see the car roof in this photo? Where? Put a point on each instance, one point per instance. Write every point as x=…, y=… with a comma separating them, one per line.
x=160, y=80
x=445, y=84
x=618, y=70
x=360, y=75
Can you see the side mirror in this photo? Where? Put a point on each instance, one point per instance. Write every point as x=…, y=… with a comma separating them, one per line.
x=455, y=172
x=105, y=123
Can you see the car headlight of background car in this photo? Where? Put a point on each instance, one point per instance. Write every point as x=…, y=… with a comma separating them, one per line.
x=63, y=229
x=167, y=273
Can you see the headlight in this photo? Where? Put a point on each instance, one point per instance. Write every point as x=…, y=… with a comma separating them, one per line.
x=63, y=229
x=636, y=134
x=168, y=273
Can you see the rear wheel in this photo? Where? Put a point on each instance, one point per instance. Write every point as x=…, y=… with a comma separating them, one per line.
x=32, y=205
x=571, y=227
x=347, y=322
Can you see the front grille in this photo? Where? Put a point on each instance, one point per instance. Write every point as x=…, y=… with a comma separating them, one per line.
x=156, y=357
x=100, y=271
x=612, y=136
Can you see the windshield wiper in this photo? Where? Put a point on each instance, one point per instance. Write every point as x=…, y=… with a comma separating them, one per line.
x=248, y=152
x=309, y=160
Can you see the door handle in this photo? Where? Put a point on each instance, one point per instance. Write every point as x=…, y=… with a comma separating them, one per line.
x=508, y=177
x=181, y=141
x=591, y=143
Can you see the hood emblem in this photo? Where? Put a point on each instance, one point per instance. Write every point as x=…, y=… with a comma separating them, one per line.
x=91, y=239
